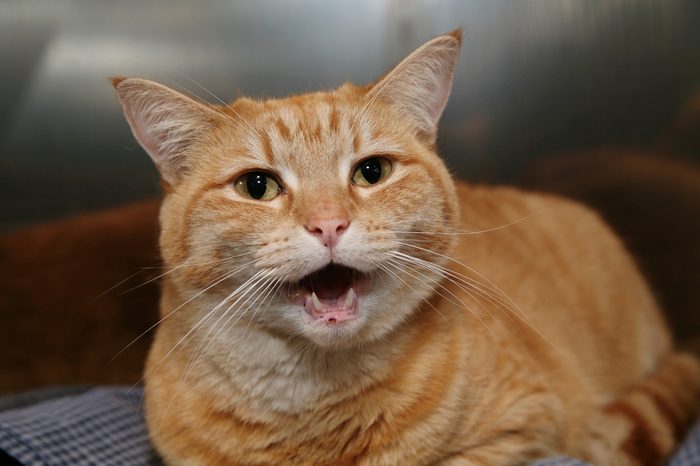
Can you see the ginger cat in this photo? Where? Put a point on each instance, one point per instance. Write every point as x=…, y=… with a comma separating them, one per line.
x=336, y=298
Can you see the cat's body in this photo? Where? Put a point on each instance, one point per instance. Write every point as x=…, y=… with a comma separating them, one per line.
x=336, y=299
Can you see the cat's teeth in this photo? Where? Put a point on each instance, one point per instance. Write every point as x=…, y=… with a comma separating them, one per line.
x=316, y=302
x=350, y=298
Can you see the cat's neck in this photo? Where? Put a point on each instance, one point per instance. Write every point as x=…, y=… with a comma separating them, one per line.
x=289, y=375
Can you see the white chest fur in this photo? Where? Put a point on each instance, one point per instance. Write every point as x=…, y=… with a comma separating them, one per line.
x=290, y=376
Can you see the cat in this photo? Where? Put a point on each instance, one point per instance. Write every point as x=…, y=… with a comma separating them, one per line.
x=335, y=297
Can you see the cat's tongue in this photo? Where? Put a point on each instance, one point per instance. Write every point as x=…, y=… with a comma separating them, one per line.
x=331, y=282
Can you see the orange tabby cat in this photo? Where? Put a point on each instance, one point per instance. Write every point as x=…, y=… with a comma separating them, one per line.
x=336, y=298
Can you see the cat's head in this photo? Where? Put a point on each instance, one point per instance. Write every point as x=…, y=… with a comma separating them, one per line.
x=304, y=216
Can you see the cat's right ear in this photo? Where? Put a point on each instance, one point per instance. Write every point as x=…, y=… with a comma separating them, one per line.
x=419, y=86
x=164, y=122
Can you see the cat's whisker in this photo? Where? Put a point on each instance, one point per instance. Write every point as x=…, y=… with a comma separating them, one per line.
x=401, y=260
x=455, y=261
x=422, y=277
x=118, y=284
x=452, y=231
x=465, y=232
x=151, y=280
x=468, y=284
x=468, y=281
x=295, y=334
x=269, y=283
x=240, y=117
x=276, y=284
x=303, y=348
x=248, y=293
x=170, y=270
x=396, y=267
x=206, y=341
x=249, y=286
x=408, y=263
x=195, y=296
x=208, y=262
x=246, y=285
x=493, y=294
x=391, y=272
x=262, y=286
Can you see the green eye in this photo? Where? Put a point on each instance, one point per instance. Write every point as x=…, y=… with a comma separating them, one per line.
x=371, y=171
x=258, y=185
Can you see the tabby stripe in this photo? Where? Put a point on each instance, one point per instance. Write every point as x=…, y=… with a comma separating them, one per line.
x=355, y=139
x=283, y=130
x=641, y=444
x=333, y=120
x=676, y=420
x=267, y=147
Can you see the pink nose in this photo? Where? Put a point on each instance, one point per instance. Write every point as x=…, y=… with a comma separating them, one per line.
x=328, y=230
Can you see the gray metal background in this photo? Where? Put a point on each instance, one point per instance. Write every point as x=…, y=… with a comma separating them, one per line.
x=536, y=77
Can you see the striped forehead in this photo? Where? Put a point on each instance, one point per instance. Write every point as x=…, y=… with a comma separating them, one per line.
x=304, y=138
x=311, y=138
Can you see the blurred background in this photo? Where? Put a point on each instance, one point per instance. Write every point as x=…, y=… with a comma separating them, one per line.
x=597, y=100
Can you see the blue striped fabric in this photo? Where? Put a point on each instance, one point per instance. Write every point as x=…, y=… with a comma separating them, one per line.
x=105, y=426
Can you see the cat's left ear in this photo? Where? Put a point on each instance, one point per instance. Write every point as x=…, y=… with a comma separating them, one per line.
x=419, y=86
x=165, y=123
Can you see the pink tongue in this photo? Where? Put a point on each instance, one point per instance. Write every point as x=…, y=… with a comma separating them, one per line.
x=330, y=282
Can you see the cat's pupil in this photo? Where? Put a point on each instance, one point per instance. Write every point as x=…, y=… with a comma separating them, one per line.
x=257, y=185
x=372, y=170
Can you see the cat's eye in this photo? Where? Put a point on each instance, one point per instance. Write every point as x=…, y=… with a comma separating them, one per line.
x=258, y=185
x=371, y=171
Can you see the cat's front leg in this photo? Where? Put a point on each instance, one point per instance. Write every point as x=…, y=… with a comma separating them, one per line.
x=519, y=424
x=535, y=431
x=515, y=453
x=645, y=424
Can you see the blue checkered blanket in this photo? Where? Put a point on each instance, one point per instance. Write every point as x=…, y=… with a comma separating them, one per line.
x=105, y=426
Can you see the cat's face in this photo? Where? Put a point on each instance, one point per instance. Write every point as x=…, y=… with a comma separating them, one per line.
x=298, y=216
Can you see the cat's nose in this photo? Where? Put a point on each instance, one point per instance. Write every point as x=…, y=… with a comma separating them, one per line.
x=327, y=229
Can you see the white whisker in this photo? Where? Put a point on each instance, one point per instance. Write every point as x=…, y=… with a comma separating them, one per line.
x=170, y=270
x=462, y=304
x=196, y=326
x=206, y=341
x=240, y=117
x=491, y=292
x=242, y=291
x=409, y=286
x=195, y=296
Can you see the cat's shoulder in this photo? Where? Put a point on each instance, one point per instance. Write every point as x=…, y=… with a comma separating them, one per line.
x=512, y=203
x=513, y=197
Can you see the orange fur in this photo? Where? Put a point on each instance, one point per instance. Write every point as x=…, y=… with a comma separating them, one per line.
x=497, y=326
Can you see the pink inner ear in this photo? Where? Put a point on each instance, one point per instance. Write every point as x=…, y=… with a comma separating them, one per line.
x=149, y=140
x=153, y=135
x=164, y=122
x=420, y=85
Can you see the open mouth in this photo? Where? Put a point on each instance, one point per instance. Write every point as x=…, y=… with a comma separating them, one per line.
x=331, y=293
